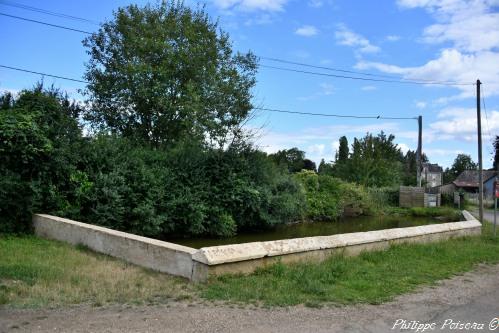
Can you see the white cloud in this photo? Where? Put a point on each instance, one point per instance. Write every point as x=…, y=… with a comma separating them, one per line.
x=326, y=89
x=345, y=36
x=315, y=3
x=259, y=20
x=251, y=5
x=307, y=31
x=451, y=65
x=460, y=124
x=469, y=31
x=471, y=25
x=392, y=38
x=316, y=149
x=403, y=147
x=421, y=104
x=369, y=88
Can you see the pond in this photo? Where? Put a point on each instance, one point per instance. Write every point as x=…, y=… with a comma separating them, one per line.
x=309, y=229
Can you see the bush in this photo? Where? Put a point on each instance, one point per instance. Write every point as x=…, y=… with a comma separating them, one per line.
x=39, y=139
x=329, y=197
x=381, y=197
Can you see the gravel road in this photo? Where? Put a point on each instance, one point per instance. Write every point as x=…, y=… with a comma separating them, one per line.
x=472, y=297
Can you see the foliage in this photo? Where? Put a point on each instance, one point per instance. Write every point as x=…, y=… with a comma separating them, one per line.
x=293, y=159
x=409, y=172
x=381, y=198
x=343, y=150
x=163, y=73
x=325, y=168
x=461, y=163
x=186, y=190
x=374, y=161
x=446, y=213
x=327, y=197
x=39, y=144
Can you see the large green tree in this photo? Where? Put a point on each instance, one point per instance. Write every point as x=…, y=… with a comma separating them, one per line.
x=374, y=161
x=343, y=150
x=461, y=163
x=293, y=159
x=165, y=73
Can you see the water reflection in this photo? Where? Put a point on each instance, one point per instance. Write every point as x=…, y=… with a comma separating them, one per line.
x=308, y=229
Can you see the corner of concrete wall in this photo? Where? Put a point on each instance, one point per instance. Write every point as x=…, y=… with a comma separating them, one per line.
x=146, y=252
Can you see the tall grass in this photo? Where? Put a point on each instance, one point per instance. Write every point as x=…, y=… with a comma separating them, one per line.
x=37, y=272
x=372, y=277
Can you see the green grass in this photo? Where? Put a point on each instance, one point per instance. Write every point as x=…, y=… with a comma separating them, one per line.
x=40, y=273
x=372, y=277
x=444, y=213
x=36, y=272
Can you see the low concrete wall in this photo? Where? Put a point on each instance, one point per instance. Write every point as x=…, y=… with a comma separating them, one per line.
x=198, y=265
x=245, y=258
x=146, y=252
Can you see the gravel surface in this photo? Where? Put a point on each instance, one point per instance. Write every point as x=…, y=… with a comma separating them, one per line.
x=472, y=297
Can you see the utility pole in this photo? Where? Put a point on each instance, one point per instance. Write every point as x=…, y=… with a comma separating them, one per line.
x=419, y=151
x=480, y=163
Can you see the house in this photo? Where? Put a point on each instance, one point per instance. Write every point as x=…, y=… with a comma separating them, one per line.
x=468, y=182
x=432, y=175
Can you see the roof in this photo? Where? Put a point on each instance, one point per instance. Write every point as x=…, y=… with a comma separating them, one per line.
x=433, y=167
x=469, y=178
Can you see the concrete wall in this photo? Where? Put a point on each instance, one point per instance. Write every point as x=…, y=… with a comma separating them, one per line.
x=198, y=265
x=244, y=258
x=146, y=252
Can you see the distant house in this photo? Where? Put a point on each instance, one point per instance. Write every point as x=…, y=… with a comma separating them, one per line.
x=432, y=174
x=468, y=182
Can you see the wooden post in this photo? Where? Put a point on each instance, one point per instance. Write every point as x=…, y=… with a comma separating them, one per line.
x=419, y=151
x=480, y=162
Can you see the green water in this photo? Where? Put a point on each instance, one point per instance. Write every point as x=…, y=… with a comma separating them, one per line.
x=308, y=229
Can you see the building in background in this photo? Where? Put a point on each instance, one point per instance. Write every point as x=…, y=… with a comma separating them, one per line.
x=467, y=182
x=432, y=175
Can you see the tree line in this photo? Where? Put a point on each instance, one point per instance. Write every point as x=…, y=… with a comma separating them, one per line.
x=164, y=150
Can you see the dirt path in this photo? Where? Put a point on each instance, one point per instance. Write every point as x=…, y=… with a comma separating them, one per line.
x=472, y=297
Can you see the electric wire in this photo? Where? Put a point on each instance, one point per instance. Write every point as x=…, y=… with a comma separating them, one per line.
x=45, y=11
x=44, y=74
x=401, y=81
x=333, y=115
x=45, y=23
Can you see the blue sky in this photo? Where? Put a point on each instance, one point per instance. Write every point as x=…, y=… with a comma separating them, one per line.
x=448, y=40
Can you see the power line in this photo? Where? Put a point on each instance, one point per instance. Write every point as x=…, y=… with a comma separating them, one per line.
x=334, y=69
x=44, y=74
x=44, y=11
x=45, y=23
x=256, y=108
x=368, y=79
x=403, y=81
x=334, y=115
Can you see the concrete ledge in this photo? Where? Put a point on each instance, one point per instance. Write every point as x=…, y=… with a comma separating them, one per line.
x=245, y=258
x=146, y=252
x=198, y=265
x=216, y=255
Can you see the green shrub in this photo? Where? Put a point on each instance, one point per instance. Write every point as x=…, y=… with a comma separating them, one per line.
x=39, y=145
x=328, y=197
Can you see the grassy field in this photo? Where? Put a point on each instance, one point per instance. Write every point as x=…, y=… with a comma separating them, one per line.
x=41, y=273
x=372, y=277
x=36, y=273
